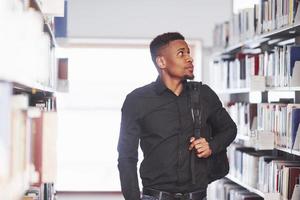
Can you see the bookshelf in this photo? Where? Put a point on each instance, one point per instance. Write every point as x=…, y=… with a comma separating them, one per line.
x=28, y=83
x=233, y=91
x=258, y=40
x=251, y=189
x=257, y=51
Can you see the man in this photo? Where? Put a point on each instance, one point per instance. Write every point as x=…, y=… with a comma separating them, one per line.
x=158, y=116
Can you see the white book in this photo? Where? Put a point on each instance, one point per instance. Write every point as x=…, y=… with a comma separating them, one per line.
x=296, y=193
x=49, y=147
x=5, y=130
x=295, y=79
x=53, y=7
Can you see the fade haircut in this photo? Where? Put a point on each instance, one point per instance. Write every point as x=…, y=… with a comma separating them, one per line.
x=162, y=40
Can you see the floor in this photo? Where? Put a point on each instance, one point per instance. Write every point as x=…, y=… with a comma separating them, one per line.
x=89, y=196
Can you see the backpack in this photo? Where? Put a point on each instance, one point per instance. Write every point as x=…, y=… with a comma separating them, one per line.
x=218, y=163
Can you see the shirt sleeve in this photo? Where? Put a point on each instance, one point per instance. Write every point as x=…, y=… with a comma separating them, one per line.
x=128, y=150
x=223, y=127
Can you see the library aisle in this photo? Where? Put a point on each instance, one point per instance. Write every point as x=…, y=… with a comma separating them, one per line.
x=248, y=51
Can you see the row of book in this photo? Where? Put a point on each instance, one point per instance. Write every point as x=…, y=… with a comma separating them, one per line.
x=25, y=46
x=279, y=67
x=265, y=170
x=283, y=121
x=279, y=120
x=27, y=143
x=244, y=115
x=266, y=16
x=22, y=37
x=226, y=74
x=225, y=189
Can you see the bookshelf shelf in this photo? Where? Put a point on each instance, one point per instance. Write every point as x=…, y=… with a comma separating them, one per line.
x=259, y=39
x=28, y=85
x=284, y=149
x=290, y=151
x=233, y=91
x=251, y=189
x=270, y=89
x=296, y=152
x=247, y=90
x=243, y=137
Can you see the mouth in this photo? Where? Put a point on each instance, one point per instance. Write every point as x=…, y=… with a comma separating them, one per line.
x=190, y=68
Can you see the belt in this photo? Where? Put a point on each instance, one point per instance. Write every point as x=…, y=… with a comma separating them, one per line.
x=162, y=195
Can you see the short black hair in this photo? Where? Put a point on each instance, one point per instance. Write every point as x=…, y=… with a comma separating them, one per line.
x=162, y=40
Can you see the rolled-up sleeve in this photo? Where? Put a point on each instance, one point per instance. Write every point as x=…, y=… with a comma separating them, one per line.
x=128, y=150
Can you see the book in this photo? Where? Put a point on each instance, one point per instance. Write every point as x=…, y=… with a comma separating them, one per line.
x=53, y=7
x=296, y=193
x=45, y=140
x=5, y=130
x=62, y=79
x=294, y=178
x=61, y=23
x=295, y=130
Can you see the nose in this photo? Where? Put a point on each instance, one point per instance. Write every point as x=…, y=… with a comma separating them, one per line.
x=189, y=58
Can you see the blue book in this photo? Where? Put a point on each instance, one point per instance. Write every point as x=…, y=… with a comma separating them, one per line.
x=295, y=125
x=60, y=23
x=294, y=56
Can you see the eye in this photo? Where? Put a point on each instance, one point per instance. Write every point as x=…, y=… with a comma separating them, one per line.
x=180, y=53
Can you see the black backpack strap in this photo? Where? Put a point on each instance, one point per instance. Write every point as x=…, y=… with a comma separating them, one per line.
x=195, y=106
x=196, y=111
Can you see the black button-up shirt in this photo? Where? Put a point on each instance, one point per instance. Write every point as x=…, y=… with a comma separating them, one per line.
x=163, y=124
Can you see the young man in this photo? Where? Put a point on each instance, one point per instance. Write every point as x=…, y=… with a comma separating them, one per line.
x=158, y=116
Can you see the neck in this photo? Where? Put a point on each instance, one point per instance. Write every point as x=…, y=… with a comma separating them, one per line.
x=175, y=85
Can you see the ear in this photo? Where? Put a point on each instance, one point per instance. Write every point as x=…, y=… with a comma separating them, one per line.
x=161, y=62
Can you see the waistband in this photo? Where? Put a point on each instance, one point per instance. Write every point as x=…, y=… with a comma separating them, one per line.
x=162, y=195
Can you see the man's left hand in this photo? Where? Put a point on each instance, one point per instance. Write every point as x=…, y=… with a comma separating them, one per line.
x=201, y=146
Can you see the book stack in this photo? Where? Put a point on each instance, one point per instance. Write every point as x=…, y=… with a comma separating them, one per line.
x=266, y=16
x=265, y=170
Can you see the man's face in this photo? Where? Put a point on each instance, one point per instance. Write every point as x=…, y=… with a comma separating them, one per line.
x=178, y=63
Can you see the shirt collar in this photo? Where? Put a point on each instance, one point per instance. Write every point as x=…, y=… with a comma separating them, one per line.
x=160, y=87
